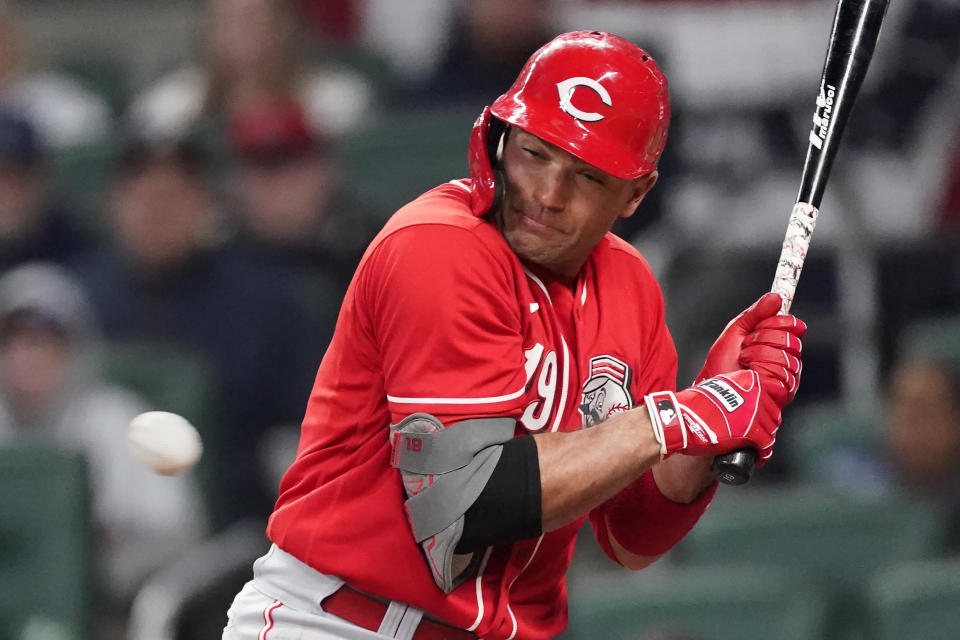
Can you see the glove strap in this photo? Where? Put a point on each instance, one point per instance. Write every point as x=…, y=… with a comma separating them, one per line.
x=668, y=428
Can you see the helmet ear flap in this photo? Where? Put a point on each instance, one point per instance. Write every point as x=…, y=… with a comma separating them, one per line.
x=496, y=139
x=484, y=159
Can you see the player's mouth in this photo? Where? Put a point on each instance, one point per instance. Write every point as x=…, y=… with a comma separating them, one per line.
x=533, y=222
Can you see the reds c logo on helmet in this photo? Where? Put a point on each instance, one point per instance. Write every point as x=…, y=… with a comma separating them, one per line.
x=596, y=95
x=566, y=88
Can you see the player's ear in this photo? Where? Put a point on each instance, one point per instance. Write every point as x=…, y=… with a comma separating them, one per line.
x=639, y=187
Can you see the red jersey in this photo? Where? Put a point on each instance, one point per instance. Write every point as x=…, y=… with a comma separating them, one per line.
x=442, y=317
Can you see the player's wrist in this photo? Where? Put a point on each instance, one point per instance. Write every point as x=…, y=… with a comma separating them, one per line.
x=666, y=422
x=683, y=478
x=633, y=432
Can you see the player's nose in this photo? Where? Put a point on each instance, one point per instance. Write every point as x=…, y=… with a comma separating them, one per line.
x=552, y=189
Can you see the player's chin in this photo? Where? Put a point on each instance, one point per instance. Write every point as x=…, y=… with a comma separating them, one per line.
x=526, y=243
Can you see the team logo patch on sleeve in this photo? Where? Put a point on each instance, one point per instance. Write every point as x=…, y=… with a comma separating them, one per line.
x=606, y=391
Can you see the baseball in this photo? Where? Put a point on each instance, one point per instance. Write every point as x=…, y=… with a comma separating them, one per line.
x=164, y=441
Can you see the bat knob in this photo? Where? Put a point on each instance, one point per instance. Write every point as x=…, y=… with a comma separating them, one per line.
x=734, y=468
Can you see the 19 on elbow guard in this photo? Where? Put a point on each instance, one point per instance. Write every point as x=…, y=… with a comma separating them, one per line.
x=455, y=479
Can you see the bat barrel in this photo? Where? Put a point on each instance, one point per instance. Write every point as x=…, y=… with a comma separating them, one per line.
x=856, y=27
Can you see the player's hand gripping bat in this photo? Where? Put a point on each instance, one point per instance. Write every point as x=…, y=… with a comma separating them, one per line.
x=856, y=27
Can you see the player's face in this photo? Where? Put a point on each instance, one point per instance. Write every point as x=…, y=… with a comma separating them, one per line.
x=556, y=207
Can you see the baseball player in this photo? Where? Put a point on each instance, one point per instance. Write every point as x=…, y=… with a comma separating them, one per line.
x=500, y=373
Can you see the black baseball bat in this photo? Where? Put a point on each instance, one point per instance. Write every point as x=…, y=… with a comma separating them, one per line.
x=856, y=28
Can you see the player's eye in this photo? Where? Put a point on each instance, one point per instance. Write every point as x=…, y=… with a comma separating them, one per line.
x=592, y=177
x=533, y=152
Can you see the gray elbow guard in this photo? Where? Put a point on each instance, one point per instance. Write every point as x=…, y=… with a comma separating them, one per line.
x=444, y=470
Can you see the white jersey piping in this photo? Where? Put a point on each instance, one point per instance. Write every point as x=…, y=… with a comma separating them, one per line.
x=563, y=390
x=539, y=284
x=483, y=566
x=267, y=615
x=510, y=586
x=490, y=400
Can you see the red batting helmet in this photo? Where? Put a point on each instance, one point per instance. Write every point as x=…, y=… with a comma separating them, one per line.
x=594, y=94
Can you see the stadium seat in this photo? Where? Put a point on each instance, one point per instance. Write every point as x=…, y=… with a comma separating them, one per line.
x=703, y=602
x=937, y=337
x=102, y=72
x=404, y=154
x=373, y=66
x=917, y=600
x=845, y=536
x=836, y=538
x=826, y=443
x=78, y=178
x=170, y=378
x=46, y=563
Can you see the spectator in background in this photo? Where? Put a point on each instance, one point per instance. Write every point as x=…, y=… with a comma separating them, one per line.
x=252, y=54
x=489, y=41
x=925, y=409
x=949, y=213
x=922, y=438
x=906, y=135
x=291, y=205
x=51, y=392
x=291, y=213
x=63, y=111
x=927, y=50
x=31, y=228
x=916, y=449
x=171, y=279
x=340, y=20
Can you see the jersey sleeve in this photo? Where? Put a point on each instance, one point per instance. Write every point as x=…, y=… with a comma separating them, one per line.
x=442, y=310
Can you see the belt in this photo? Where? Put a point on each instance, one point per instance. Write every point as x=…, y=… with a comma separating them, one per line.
x=367, y=612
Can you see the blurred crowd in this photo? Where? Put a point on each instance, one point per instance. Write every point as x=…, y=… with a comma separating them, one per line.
x=216, y=204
